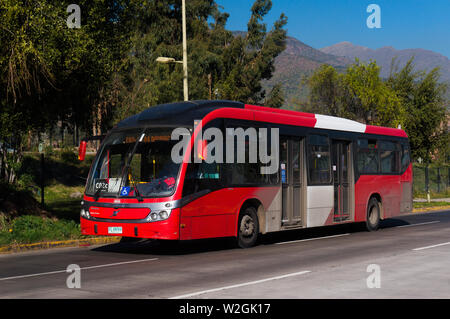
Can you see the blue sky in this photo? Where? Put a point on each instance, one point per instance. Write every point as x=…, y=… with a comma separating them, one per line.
x=319, y=23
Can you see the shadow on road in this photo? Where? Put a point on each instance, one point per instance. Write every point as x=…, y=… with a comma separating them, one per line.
x=166, y=247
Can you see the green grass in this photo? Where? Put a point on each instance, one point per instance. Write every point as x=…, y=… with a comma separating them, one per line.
x=431, y=204
x=30, y=229
x=59, y=203
x=64, y=184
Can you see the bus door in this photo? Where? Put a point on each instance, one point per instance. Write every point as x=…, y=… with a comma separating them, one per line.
x=291, y=173
x=341, y=179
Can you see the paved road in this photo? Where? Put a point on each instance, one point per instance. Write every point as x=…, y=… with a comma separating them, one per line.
x=411, y=254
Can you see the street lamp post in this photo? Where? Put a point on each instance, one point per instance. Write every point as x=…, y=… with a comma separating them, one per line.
x=185, y=72
x=184, y=62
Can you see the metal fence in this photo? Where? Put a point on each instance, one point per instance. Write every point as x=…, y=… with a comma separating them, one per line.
x=433, y=179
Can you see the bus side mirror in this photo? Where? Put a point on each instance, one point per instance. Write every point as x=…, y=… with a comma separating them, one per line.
x=82, y=151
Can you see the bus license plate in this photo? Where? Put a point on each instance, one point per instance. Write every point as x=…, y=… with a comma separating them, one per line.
x=114, y=230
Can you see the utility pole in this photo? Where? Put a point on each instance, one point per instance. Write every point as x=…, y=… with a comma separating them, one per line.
x=185, y=71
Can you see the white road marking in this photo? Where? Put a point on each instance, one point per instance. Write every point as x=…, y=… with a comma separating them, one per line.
x=300, y=240
x=81, y=268
x=432, y=246
x=411, y=225
x=240, y=285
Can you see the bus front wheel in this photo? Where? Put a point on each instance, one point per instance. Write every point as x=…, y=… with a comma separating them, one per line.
x=373, y=214
x=248, y=228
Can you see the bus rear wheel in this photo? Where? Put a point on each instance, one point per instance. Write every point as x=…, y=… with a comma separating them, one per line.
x=248, y=228
x=373, y=214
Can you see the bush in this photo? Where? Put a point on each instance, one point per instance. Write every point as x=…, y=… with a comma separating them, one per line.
x=25, y=181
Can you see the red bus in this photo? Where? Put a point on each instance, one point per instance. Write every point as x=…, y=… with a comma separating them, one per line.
x=330, y=171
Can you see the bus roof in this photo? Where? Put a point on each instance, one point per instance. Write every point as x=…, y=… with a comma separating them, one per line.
x=184, y=114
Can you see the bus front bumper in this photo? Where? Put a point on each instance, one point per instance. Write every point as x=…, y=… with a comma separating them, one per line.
x=166, y=229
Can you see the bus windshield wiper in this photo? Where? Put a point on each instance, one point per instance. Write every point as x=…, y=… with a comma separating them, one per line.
x=97, y=194
x=138, y=194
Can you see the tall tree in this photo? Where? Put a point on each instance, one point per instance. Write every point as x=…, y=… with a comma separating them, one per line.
x=358, y=94
x=423, y=97
x=52, y=73
x=221, y=65
x=369, y=98
x=325, y=91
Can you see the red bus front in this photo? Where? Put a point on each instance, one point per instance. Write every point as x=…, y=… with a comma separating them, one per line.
x=131, y=188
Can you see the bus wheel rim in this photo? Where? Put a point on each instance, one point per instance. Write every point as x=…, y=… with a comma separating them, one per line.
x=373, y=215
x=247, y=226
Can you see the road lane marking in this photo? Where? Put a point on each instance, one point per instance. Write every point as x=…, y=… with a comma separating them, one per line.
x=432, y=246
x=82, y=268
x=300, y=240
x=419, y=224
x=240, y=285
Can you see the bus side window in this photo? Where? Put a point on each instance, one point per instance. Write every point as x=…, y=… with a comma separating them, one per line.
x=406, y=157
x=367, y=157
x=388, y=157
x=202, y=176
x=319, y=160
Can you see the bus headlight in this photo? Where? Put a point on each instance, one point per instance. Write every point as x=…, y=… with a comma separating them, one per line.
x=85, y=213
x=158, y=215
x=163, y=215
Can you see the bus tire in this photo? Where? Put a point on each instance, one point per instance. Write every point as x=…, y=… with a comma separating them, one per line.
x=373, y=214
x=248, y=227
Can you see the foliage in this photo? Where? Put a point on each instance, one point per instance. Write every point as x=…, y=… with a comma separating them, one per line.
x=275, y=97
x=422, y=97
x=358, y=94
x=91, y=77
x=414, y=100
x=220, y=65
x=51, y=73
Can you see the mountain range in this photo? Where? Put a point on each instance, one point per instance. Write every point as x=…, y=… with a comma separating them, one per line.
x=423, y=59
x=299, y=60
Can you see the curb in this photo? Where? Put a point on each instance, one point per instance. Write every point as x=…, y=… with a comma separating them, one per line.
x=59, y=244
x=430, y=209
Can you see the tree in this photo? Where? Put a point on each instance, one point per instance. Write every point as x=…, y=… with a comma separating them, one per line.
x=221, y=65
x=325, y=91
x=275, y=98
x=51, y=73
x=422, y=96
x=368, y=97
x=249, y=60
x=358, y=94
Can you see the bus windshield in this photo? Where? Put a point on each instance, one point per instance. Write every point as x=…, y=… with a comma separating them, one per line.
x=134, y=163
